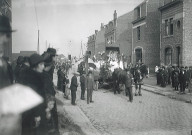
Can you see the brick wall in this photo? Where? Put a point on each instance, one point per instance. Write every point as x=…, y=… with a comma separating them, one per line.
x=100, y=42
x=187, y=40
x=124, y=34
x=150, y=36
x=175, y=40
x=91, y=44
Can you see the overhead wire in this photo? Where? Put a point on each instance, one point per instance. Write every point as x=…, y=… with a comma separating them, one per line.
x=36, y=14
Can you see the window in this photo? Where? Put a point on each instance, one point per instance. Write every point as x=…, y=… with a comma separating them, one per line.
x=171, y=26
x=178, y=55
x=138, y=53
x=168, y=56
x=178, y=24
x=166, y=28
x=138, y=33
x=138, y=12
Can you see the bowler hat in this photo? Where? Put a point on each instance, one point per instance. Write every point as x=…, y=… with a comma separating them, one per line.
x=35, y=59
x=52, y=51
x=5, y=25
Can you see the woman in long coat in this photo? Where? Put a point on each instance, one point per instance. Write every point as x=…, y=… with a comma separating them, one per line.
x=33, y=121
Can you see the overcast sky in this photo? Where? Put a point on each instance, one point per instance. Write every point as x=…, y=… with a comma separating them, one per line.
x=62, y=21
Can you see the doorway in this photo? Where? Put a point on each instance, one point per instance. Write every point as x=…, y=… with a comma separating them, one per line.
x=138, y=53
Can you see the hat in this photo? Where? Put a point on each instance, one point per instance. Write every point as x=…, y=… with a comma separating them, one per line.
x=20, y=60
x=47, y=59
x=5, y=25
x=35, y=59
x=52, y=51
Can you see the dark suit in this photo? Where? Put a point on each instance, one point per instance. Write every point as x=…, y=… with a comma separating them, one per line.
x=182, y=80
x=73, y=87
x=128, y=85
x=82, y=80
x=90, y=87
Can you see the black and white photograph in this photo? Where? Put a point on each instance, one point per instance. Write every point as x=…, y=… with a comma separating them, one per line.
x=95, y=67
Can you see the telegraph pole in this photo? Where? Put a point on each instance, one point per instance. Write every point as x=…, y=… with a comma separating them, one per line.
x=38, y=44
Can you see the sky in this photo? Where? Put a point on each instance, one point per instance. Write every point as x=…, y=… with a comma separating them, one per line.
x=62, y=24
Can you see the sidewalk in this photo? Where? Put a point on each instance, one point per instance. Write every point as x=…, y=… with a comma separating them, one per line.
x=150, y=85
x=75, y=114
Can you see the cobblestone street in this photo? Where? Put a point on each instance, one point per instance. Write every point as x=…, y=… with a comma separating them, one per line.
x=147, y=115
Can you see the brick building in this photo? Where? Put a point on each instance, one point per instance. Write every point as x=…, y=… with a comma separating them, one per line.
x=100, y=41
x=146, y=34
x=176, y=32
x=5, y=10
x=91, y=44
x=115, y=37
x=118, y=37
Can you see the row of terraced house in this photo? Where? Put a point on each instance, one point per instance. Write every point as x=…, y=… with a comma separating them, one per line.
x=156, y=32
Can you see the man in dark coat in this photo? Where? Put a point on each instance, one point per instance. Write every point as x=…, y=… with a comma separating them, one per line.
x=18, y=68
x=172, y=76
x=182, y=80
x=59, y=78
x=52, y=52
x=83, y=87
x=128, y=85
x=73, y=88
x=23, y=71
x=90, y=87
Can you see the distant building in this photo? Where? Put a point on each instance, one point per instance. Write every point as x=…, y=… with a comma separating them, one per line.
x=146, y=34
x=5, y=10
x=114, y=38
x=91, y=44
x=176, y=32
x=100, y=41
x=118, y=36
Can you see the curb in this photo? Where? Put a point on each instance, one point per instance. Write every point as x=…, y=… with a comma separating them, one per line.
x=78, y=117
x=167, y=95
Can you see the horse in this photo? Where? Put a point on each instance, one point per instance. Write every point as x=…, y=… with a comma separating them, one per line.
x=119, y=75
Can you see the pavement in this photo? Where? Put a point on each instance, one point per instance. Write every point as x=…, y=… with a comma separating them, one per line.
x=150, y=85
x=114, y=115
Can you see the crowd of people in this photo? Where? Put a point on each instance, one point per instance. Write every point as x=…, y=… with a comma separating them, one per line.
x=36, y=72
x=180, y=78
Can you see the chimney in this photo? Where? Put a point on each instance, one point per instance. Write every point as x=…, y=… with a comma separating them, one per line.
x=96, y=31
x=102, y=26
x=115, y=18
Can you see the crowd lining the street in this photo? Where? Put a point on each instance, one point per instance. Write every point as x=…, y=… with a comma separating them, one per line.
x=180, y=78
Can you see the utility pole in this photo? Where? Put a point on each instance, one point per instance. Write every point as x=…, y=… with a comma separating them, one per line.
x=46, y=44
x=38, y=44
x=81, y=51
